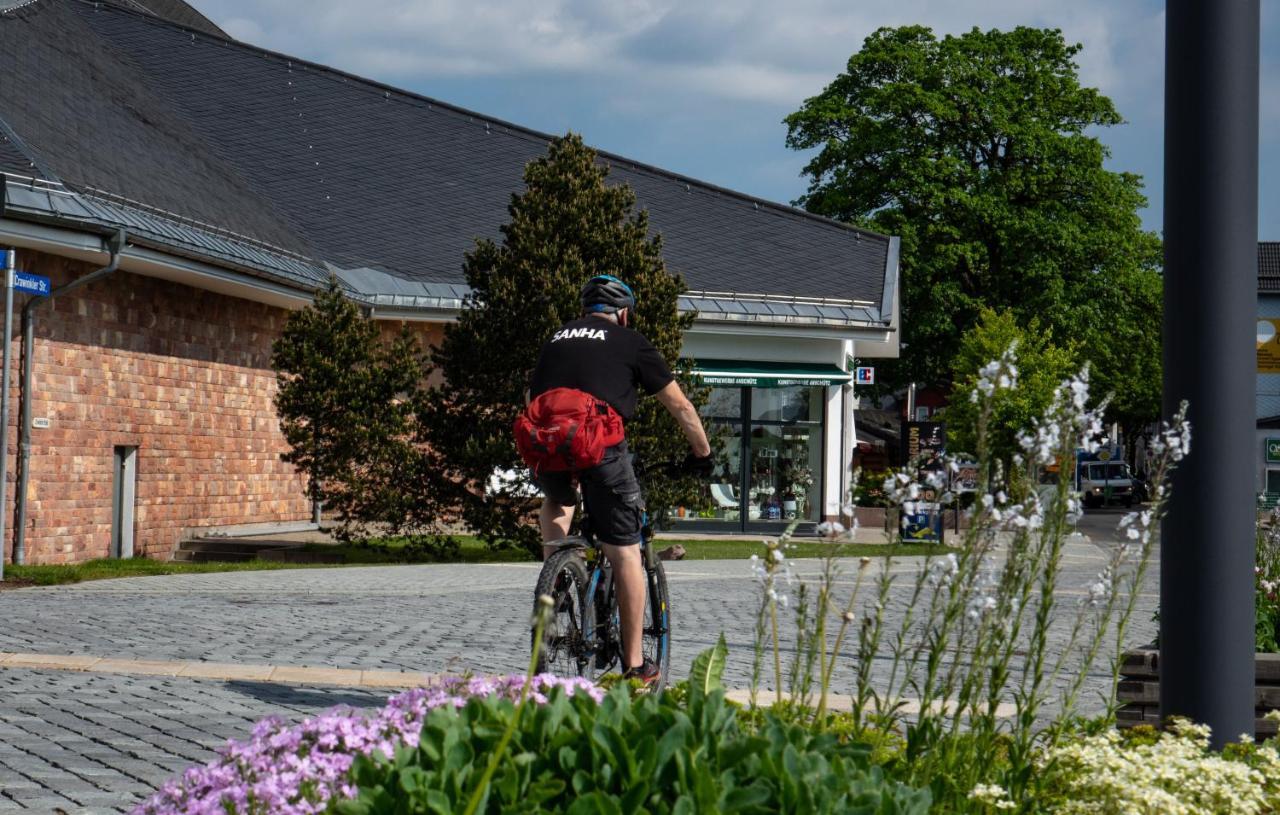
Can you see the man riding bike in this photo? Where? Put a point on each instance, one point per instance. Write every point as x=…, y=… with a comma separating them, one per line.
x=595, y=365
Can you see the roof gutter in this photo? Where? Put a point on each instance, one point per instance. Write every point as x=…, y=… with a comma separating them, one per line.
x=114, y=245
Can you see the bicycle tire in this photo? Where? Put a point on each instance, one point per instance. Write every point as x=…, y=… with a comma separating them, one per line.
x=660, y=614
x=564, y=579
x=603, y=630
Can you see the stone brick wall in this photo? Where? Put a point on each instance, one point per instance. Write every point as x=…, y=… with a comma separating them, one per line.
x=182, y=374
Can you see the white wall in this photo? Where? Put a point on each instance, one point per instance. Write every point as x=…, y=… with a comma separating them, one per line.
x=757, y=348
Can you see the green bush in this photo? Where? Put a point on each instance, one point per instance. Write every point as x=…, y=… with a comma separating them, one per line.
x=650, y=754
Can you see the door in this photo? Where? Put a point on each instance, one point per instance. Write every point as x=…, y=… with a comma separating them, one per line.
x=124, y=498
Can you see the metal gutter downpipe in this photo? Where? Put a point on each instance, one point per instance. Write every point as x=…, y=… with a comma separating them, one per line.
x=115, y=245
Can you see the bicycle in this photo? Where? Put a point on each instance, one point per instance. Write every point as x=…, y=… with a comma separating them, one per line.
x=584, y=637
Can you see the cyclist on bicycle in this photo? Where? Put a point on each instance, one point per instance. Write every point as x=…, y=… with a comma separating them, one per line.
x=599, y=358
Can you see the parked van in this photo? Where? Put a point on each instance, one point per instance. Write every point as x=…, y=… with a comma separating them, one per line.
x=1103, y=479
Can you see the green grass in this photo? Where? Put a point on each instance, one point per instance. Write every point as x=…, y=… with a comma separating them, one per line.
x=105, y=568
x=472, y=550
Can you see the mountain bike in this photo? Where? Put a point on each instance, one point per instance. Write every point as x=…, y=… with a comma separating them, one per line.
x=584, y=635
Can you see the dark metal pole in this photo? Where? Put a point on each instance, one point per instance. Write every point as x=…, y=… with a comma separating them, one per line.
x=1211, y=234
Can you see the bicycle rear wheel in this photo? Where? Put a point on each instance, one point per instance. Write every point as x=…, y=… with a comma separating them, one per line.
x=564, y=580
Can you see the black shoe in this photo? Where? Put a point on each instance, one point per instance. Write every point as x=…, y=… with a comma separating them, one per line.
x=647, y=672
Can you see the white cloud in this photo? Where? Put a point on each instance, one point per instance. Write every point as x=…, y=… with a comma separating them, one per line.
x=661, y=76
x=763, y=50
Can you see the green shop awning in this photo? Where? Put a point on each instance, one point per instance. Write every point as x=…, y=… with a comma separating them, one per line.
x=737, y=373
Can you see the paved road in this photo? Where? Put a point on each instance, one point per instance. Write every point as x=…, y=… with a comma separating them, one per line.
x=95, y=742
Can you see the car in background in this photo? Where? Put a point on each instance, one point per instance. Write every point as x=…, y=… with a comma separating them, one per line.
x=1105, y=482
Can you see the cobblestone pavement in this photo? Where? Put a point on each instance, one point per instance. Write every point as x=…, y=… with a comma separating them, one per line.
x=93, y=742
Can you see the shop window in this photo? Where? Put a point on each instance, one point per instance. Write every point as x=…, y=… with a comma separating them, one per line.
x=769, y=460
x=1273, y=482
x=723, y=403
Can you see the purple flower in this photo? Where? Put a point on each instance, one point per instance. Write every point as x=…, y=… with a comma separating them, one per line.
x=297, y=769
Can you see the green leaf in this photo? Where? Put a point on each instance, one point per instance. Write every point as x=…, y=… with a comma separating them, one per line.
x=707, y=670
x=595, y=803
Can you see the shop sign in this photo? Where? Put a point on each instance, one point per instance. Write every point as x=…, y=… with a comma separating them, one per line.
x=1269, y=345
x=1273, y=451
x=965, y=477
x=924, y=443
x=923, y=524
x=750, y=381
x=864, y=375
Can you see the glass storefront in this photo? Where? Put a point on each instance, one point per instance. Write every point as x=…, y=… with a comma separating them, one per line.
x=768, y=447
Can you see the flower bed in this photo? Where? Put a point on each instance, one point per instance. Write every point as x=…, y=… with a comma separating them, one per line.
x=296, y=769
x=1139, y=690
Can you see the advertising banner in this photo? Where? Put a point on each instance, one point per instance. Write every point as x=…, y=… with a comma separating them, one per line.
x=924, y=443
x=1269, y=345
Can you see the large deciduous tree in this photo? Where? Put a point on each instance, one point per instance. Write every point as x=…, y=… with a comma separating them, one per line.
x=566, y=226
x=978, y=151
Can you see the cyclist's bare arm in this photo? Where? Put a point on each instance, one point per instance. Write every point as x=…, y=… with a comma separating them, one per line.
x=686, y=415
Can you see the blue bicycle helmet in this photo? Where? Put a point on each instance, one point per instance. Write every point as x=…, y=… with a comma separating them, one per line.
x=606, y=294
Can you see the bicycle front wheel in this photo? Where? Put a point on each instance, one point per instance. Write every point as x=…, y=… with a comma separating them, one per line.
x=657, y=623
x=563, y=649
x=603, y=627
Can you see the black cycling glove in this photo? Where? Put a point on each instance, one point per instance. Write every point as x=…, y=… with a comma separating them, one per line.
x=699, y=465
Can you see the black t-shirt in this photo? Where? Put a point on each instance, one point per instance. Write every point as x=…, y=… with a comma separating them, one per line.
x=602, y=358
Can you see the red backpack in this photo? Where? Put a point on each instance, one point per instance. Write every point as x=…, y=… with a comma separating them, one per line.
x=566, y=429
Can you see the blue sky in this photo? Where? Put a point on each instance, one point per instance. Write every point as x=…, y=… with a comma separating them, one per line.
x=701, y=86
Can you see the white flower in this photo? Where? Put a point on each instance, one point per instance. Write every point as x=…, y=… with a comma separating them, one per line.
x=830, y=529
x=992, y=795
x=942, y=570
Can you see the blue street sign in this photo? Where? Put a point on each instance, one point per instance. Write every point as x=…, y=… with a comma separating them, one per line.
x=30, y=283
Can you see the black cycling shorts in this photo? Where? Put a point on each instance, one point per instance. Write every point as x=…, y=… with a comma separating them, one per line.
x=610, y=492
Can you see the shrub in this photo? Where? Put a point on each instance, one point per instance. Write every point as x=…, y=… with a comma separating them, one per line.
x=294, y=769
x=623, y=755
x=1145, y=772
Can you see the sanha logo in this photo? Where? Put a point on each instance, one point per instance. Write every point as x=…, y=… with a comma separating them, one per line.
x=579, y=334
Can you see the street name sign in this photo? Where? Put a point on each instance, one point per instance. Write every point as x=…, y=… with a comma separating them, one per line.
x=31, y=283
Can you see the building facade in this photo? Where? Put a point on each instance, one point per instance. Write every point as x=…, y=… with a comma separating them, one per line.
x=1267, y=403
x=223, y=184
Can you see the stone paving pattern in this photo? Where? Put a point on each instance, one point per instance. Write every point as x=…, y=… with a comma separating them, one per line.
x=90, y=742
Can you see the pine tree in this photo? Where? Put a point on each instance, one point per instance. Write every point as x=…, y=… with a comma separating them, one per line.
x=565, y=227
x=345, y=400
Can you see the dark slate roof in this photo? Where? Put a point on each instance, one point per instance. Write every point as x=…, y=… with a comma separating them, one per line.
x=1269, y=266
x=330, y=171
x=176, y=11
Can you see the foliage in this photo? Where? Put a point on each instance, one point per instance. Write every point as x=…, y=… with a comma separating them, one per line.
x=1042, y=367
x=565, y=227
x=996, y=607
x=1147, y=772
x=345, y=399
x=1267, y=584
x=977, y=150
x=623, y=755
x=869, y=489
x=295, y=769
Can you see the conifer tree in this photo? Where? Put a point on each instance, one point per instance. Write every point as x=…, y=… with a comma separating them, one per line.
x=566, y=226
x=345, y=400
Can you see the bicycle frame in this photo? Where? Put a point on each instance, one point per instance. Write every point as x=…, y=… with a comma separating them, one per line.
x=599, y=580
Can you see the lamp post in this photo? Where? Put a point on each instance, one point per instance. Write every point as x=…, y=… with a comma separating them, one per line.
x=1210, y=233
